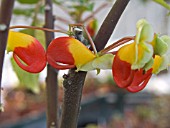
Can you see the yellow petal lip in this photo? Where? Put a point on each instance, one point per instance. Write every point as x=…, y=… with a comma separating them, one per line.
x=80, y=52
x=18, y=39
x=136, y=56
x=127, y=53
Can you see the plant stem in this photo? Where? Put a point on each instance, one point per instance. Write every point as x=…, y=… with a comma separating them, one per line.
x=74, y=81
x=51, y=81
x=109, y=24
x=39, y=28
x=73, y=86
x=5, y=17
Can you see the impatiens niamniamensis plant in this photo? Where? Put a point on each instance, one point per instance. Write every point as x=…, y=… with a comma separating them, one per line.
x=132, y=65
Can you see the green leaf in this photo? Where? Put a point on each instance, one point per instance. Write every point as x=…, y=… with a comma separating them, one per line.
x=90, y=7
x=27, y=80
x=28, y=31
x=166, y=39
x=103, y=62
x=160, y=47
x=28, y=1
x=163, y=3
x=40, y=36
x=25, y=12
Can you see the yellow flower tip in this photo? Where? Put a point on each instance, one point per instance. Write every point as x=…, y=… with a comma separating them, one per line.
x=17, y=39
x=80, y=52
x=127, y=53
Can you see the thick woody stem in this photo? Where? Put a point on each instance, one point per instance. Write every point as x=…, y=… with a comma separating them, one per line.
x=5, y=17
x=109, y=24
x=73, y=86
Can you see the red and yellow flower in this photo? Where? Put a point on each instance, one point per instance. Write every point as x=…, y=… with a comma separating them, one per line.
x=135, y=63
x=27, y=51
x=67, y=52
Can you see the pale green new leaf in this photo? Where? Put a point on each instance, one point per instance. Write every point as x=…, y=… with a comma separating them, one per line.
x=160, y=47
x=166, y=39
x=102, y=62
x=26, y=79
x=28, y=1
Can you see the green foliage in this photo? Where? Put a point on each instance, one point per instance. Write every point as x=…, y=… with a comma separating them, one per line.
x=28, y=1
x=76, y=8
x=29, y=12
x=163, y=3
x=27, y=80
x=25, y=12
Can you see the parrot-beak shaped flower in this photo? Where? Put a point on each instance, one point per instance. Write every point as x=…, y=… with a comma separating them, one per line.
x=92, y=27
x=67, y=52
x=134, y=63
x=27, y=51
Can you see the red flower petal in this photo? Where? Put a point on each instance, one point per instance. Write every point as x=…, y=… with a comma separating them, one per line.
x=125, y=77
x=139, y=81
x=31, y=58
x=58, y=54
x=122, y=73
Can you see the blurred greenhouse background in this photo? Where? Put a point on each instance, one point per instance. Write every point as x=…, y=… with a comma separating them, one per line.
x=104, y=105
